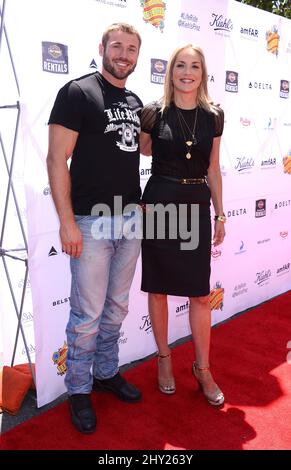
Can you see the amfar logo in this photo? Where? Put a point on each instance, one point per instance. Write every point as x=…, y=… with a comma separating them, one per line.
x=182, y=309
x=283, y=269
x=146, y=324
x=220, y=23
x=158, y=71
x=251, y=33
x=231, y=81
x=260, y=210
x=260, y=85
x=284, y=89
x=263, y=277
x=244, y=164
x=268, y=163
x=55, y=58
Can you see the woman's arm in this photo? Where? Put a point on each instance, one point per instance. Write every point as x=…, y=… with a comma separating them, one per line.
x=145, y=144
x=215, y=184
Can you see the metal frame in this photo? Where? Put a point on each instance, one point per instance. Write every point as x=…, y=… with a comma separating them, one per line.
x=13, y=252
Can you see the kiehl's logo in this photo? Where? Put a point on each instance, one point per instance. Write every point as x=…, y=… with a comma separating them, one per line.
x=154, y=13
x=284, y=89
x=260, y=208
x=231, y=81
x=158, y=71
x=55, y=58
x=244, y=164
x=272, y=39
x=146, y=325
x=263, y=277
x=219, y=23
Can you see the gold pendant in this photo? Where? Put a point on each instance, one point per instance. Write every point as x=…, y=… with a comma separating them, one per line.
x=189, y=143
x=188, y=155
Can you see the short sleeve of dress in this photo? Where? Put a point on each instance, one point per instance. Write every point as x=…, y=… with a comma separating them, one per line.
x=219, y=122
x=149, y=115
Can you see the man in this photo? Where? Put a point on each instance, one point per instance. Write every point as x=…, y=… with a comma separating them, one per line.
x=95, y=120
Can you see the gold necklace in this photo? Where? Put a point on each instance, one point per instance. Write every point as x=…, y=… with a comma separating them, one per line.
x=183, y=124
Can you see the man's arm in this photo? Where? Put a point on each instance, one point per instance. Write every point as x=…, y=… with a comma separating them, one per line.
x=62, y=142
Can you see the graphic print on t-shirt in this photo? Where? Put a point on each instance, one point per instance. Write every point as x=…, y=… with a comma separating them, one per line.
x=126, y=123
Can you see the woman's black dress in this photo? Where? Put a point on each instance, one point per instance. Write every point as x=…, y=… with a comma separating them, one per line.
x=166, y=268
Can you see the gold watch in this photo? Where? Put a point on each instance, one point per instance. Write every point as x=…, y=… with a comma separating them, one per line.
x=220, y=218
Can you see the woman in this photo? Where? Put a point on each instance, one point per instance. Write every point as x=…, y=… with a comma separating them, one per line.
x=182, y=132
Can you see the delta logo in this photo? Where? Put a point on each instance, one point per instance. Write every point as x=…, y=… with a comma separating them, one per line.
x=154, y=13
x=272, y=39
x=287, y=163
x=216, y=297
x=59, y=359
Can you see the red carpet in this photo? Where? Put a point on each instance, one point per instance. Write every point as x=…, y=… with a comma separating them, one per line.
x=249, y=361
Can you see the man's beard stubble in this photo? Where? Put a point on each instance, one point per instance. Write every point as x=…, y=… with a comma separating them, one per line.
x=110, y=69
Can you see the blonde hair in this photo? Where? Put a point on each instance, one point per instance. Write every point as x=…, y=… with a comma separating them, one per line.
x=203, y=99
x=124, y=27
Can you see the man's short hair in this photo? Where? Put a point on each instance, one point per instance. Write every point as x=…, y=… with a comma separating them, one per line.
x=124, y=27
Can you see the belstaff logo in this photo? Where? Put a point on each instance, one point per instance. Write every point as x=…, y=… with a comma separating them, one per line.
x=55, y=58
x=59, y=359
x=287, y=163
x=158, y=71
x=231, y=81
x=260, y=208
x=273, y=38
x=284, y=89
x=216, y=297
x=154, y=13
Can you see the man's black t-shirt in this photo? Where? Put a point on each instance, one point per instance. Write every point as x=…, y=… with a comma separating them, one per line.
x=105, y=161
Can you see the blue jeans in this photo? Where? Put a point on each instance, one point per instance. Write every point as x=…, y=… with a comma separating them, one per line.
x=101, y=279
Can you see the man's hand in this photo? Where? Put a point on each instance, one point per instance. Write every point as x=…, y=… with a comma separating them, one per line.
x=71, y=238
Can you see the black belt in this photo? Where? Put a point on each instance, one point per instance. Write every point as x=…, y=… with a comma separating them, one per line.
x=184, y=180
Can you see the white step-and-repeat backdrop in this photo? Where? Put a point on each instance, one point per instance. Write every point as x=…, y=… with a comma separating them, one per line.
x=248, y=53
